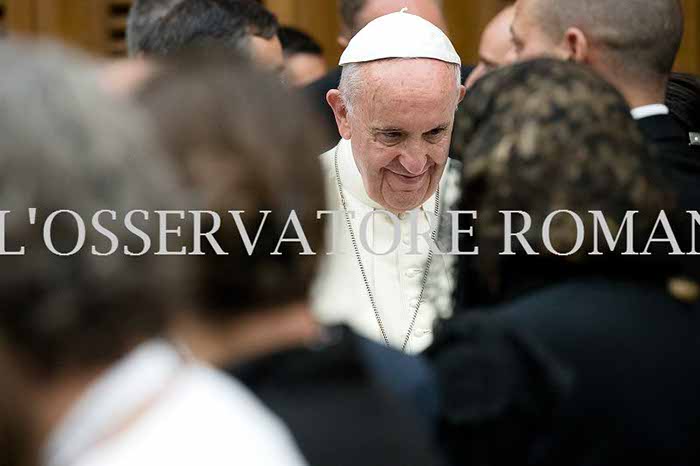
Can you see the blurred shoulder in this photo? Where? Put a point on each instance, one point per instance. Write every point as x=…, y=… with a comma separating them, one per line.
x=206, y=417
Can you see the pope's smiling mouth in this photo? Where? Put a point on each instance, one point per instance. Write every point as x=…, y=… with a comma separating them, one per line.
x=406, y=182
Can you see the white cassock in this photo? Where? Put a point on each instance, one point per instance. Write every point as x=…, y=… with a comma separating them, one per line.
x=340, y=294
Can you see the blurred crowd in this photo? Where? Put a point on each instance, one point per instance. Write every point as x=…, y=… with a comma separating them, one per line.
x=318, y=301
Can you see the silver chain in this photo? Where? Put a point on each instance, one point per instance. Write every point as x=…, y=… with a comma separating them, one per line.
x=362, y=267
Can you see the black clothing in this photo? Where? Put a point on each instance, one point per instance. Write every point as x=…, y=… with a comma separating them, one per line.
x=585, y=370
x=680, y=159
x=582, y=360
x=349, y=401
x=316, y=94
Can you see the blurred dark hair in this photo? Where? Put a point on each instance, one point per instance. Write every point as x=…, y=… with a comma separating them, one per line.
x=297, y=41
x=242, y=142
x=66, y=145
x=207, y=23
x=683, y=99
x=547, y=135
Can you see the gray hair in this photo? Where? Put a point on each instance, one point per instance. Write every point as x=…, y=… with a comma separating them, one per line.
x=142, y=16
x=207, y=23
x=352, y=78
x=640, y=38
x=66, y=145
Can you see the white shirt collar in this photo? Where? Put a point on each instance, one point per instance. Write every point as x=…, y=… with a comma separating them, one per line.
x=110, y=400
x=649, y=110
x=351, y=178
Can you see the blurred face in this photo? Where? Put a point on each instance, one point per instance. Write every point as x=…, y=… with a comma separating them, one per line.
x=304, y=68
x=494, y=46
x=528, y=38
x=373, y=9
x=124, y=77
x=400, y=128
x=267, y=53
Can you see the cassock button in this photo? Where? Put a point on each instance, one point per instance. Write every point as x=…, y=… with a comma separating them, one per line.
x=402, y=216
x=412, y=273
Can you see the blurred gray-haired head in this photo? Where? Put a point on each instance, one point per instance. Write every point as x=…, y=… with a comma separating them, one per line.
x=66, y=145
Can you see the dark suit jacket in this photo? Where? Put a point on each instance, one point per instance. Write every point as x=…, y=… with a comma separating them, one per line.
x=316, y=95
x=350, y=401
x=591, y=371
x=678, y=158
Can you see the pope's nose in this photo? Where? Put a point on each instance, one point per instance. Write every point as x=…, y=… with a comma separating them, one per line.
x=414, y=165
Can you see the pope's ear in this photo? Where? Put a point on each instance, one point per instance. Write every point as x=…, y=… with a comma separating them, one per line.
x=462, y=93
x=340, y=110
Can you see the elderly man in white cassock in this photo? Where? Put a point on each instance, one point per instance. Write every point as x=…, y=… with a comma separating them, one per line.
x=390, y=182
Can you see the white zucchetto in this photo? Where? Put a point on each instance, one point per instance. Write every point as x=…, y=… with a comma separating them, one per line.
x=399, y=35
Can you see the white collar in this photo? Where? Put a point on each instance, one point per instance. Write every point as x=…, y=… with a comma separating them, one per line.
x=110, y=400
x=646, y=111
x=351, y=178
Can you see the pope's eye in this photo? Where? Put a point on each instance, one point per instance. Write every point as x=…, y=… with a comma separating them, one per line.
x=435, y=132
x=390, y=136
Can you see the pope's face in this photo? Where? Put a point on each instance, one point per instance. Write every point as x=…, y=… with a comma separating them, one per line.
x=400, y=127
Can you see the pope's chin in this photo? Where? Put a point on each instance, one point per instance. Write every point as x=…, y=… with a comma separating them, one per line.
x=402, y=193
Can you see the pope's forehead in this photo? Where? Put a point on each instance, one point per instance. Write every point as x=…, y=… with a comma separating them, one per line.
x=417, y=70
x=416, y=83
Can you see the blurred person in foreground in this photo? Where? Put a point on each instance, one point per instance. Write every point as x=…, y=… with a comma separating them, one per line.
x=494, y=45
x=633, y=45
x=303, y=57
x=82, y=326
x=17, y=435
x=245, y=27
x=122, y=78
x=567, y=358
x=346, y=400
x=354, y=16
x=389, y=179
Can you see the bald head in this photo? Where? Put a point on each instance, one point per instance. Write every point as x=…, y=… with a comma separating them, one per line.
x=631, y=37
x=356, y=14
x=494, y=46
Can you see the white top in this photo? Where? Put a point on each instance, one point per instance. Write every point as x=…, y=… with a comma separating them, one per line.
x=399, y=35
x=153, y=408
x=340, y=295
x=646, y=111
